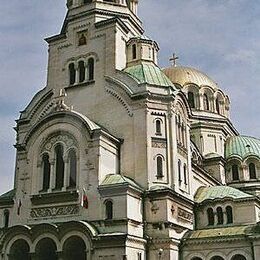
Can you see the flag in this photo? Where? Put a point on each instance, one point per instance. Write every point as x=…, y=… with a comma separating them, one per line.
x=19, y=205
x=84, y=200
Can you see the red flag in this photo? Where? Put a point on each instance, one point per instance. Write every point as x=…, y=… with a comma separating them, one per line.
x=84, y=200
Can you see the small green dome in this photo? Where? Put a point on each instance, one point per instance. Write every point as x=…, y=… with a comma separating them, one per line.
x=148, y=73
x=242, y=147
x=219, y=192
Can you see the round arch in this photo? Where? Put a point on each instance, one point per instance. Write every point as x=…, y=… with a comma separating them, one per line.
x=74, y=247
x=46, y=249
x=20, y=249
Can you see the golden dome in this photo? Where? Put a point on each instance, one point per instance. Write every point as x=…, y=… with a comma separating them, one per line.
x=185, y=75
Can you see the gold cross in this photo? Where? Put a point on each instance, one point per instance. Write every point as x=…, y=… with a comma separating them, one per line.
x=174, y=59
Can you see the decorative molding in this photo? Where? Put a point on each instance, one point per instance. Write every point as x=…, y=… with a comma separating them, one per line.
x=185, y=215
x=121, y=100
x=159, y=144
x=54, y=211
x=65, y=45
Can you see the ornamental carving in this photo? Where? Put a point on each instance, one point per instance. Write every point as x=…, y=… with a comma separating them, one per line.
x=185, y=215
x=159, y=144
x=54, y=211
x=64, y=138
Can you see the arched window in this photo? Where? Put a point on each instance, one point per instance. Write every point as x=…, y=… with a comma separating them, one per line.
x=229, y=213
x=6, y=218
x=46, y=249
x=217, y=106
x=191, y=99
x=158, y=127
x=109, y=209
x=59, y=167
x=179, y=171
x=206, y=102
x=252, y=171
x=72, y=73
x=74, y=248
x=19, y=250
x=235, y=172
x=82, y=71
x=220, y=216
x=73, y=168
x=238, y=257
x=91, y=69
x=210, y=214
x=82, y=40
x=46, y=172
x=134, y=53
x=159, y=166
x=185, y=174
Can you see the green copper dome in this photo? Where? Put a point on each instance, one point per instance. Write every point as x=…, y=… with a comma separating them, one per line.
x=242, y=146
x=148, y=73
x=219, y=192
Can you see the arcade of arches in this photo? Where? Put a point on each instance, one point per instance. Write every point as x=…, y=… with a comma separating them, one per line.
x=46, y=249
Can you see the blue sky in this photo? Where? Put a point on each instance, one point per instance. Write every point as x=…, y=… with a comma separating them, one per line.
x=219, y=37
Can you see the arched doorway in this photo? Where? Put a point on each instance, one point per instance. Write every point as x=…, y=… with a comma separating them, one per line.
x=74, y=248
x=19, y=250
x=46, y=250
x=238, y=257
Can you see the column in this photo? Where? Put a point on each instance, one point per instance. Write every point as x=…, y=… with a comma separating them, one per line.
x=86, y=71
x=77, y=73
x=66, y=174
x=52, y=176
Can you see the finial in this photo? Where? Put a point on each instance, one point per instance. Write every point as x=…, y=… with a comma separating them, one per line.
x=174, y=59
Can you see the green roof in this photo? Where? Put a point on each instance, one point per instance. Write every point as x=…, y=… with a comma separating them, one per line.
x=148, y=73
x=7, y=197
x=114, y=179
x=221, y=232
x=242, y=146
x=219, y=192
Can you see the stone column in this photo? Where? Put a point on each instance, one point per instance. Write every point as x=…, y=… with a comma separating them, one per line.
x=86, y=71
x=66, y=174
x=33, y=256
x=77, y=73
x=59, y=255
x=52, y=176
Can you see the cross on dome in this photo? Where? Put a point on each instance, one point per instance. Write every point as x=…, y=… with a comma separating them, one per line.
x=174, y=59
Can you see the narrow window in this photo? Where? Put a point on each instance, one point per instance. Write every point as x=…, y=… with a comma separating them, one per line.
x=90, y=69
x=59, y=167
x=82, y=71
x=134, y=51
x=73, y=168
x=46, y=172
x=235, y=173
x=185, y=174
x=210, y=214
x=252, y=171
x=109, y=209
x=179, y=171
x=229, y=213
x=159, y=162
x=139, y=256
x=6, y=218
x=220, y=216
x=206, y=102
x=217, y=106
x=72, y=73
x=191, y=99
x=158, y=126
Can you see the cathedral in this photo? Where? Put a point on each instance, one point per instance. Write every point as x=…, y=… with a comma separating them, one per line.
x=119, y=159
